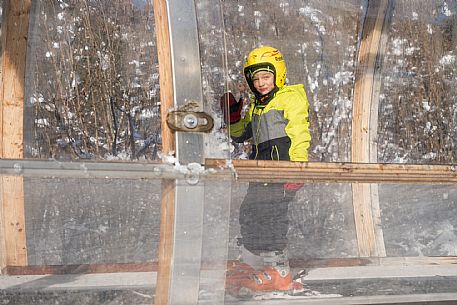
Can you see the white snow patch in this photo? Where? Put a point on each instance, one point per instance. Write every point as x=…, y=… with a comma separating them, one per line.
x=136, y=63
x=446, y=11
x=410, y=51
x=426, y=105
x=104, y=60
x=34, y=99
x=63, y=5
x=42, y=122
x=342, y=77
x=397, y=46
x=313, y=15
x=169, y=159
x=429, y=156
x=448, y=59
x=147, y=114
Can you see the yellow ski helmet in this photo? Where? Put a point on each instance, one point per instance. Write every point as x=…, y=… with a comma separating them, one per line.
x=265, y=59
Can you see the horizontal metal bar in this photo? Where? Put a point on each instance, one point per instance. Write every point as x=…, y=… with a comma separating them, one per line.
x=88, y=169
x=242, y=170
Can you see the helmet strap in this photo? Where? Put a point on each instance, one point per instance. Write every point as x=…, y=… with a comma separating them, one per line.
x=263, y=100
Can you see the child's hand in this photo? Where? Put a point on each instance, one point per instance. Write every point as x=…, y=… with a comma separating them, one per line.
x=290, y=188
x=231, y=108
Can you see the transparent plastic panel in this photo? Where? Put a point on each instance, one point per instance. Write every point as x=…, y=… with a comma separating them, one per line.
x=92, y=232
x=419, y=220
x=417, y=109
x=319, y=42
x=321, y=221
x=320, y=231
x=89, y=233
x=92, y=81
x=91, y=221
x=416, y=222
x=322, y=241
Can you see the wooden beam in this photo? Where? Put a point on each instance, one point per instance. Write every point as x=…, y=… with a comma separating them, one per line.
x=283, y=171
x=82, y=268
x=2, y=216
x=162, y=292
x=12, y=218
x=364, y=126
x=363, y=218
x=364, y=115
x=165, y=73
x=301, y=263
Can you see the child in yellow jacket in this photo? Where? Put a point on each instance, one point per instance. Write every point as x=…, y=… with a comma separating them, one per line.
x=277, y=124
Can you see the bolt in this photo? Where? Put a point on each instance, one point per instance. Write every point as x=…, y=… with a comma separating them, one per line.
x=190, y=121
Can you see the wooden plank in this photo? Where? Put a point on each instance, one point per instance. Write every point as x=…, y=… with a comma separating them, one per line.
x=168, y=146
x=15, y=30
x=364, y=125
x=14, y=221
x=167, y=216
x=2, y=217
x=256, y=170
x=165, y=72
x=82, y=268
x=373, y=131
x=3, y=43
x=414, y=261
x=294, y=262
x=377, y=221
x=364, y=114
x=282, y=171
x=364, y=226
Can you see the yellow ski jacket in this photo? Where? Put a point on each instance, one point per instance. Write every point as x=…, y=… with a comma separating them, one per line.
x=279, y=129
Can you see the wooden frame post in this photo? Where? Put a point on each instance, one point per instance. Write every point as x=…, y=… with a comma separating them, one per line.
x=14, y=41
x=364, y=126
x=168, y=146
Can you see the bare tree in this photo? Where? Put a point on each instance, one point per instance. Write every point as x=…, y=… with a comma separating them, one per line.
x=94, y=89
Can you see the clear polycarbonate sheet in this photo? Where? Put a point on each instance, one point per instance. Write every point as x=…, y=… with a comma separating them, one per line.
x=92, y=89
x=99, y=228
x=97, y=225
x=92, y=230
x=318, y=40
x=200, y=242
x=416, y=224
x=71, y=221
x=419, y=220
x=417, y=121
x=321, y=221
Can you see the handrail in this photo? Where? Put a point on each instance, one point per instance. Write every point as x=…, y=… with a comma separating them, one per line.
x=284, y=171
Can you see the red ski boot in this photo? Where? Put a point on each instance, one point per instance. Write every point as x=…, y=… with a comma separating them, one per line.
x=250, y=283
x=268, y=279
x=237, y=273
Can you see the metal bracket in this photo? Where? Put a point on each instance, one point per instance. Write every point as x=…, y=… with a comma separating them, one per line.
x=185, y=119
